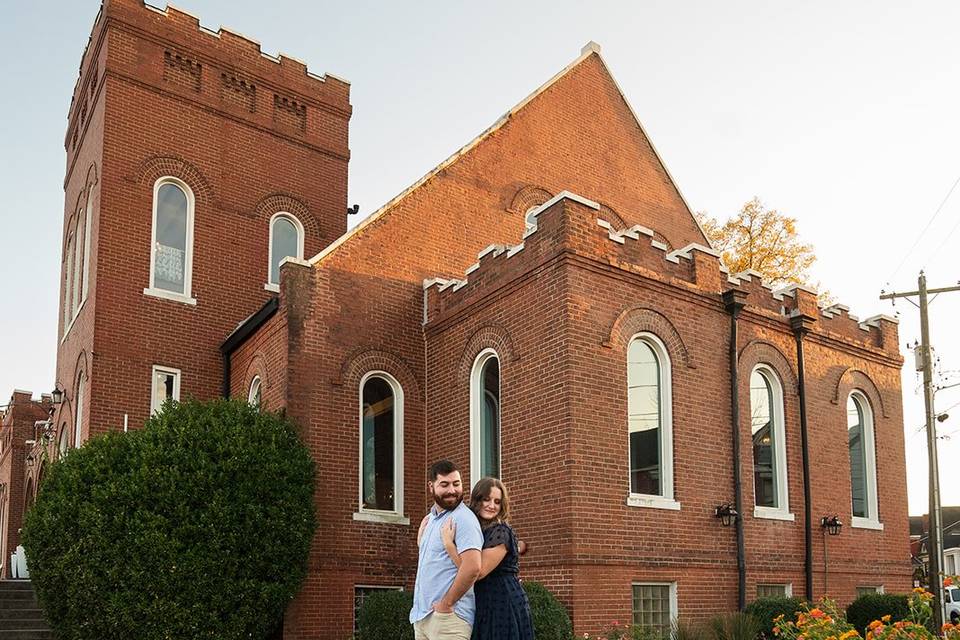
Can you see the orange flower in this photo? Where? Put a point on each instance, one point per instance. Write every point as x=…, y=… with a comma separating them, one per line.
x=816, y=613
x=886, y=618
x=919, y=590
x=876, y=624
x=948, y=581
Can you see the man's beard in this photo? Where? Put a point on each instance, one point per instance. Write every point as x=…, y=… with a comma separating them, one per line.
x=448, y=502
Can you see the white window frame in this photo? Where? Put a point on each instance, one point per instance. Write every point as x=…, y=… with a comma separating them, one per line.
x=876, y=588
x=275, y=286
x=78, y=416
x=674, y=607
x=86, y=247
x=872, y=520
x=255, y=384
x=63, y=442
x=787, y=588
x=666, y=499
x=476, y=412
x=395, y=516
x=153, y=385
x=782, y=510
x=68, y=282
x=186, y=296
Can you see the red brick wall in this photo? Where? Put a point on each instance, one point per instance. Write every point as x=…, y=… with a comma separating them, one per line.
x=16, y=427
x=211, y=110
x=564, y=439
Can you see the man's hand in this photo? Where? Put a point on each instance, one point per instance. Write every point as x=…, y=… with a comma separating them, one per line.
x=440, y=607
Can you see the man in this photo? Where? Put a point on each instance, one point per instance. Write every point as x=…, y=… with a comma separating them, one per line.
x=443, y=602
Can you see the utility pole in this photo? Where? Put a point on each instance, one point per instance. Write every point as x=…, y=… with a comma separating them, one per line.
x=935, y=538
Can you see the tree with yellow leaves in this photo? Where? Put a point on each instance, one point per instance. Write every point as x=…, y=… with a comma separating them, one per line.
x=763, y=240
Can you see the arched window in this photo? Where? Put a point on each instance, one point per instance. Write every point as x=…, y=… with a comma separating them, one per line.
x=78, y=244
x=485, y=416
x=78, y=400
x=172, y=241
x=530, y=218
x=863, y=465
x=381, y=444
x=650, y=424
x=63, y=442
x=68, y=283
x=86, y=245
x=769, y=444
x=286, y=240
x=253, y=397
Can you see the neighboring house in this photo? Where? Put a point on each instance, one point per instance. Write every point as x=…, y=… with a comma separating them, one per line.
x=19, y=469
x=542, y=306
x=920, y=542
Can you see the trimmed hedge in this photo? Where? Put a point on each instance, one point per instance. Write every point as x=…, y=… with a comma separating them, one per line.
x=873, y=606
x=385, y=615
x=197, y=526
x=766, y=609
x=550, y=618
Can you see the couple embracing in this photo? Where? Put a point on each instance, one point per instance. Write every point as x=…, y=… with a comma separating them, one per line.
x=467, y=584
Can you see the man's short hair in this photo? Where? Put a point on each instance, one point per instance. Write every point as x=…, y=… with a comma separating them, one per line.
x=442, y=468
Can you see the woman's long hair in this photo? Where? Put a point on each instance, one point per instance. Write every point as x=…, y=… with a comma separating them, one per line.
x=481, y=491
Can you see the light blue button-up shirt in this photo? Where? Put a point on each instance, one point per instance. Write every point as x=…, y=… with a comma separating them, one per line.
x=436, y=571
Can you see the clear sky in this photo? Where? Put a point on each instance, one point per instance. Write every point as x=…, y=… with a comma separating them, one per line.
x=843, y=115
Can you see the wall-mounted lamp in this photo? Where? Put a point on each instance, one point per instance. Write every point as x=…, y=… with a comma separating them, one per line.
x=56, y=395
x=726, y=513
x=30, y=460
x=832, y=524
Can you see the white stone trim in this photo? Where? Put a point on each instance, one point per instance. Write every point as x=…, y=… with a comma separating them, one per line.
x=169, y=295
x=385, y=517
x=772, y=513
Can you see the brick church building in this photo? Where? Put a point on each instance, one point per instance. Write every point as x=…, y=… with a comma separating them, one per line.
x=541, y=306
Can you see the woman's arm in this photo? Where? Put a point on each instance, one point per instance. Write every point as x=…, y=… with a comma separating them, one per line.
x=490, y=559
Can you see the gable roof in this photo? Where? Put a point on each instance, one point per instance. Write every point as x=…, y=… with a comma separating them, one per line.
x=588, y=50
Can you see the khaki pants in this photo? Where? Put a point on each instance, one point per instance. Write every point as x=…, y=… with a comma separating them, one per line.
x=442, y=626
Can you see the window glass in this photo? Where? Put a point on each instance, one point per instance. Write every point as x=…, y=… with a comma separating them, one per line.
x=378, y=445
x=171, y=239
x=643, y=402
x=63, y=444
x=652, y=608
x=254, y=396
x=490, y=419
x=771, y=591
x=862, y=591
x=858, y=460
x=77, y=421
x=78, y=244
x=68, y=286
x=166, y=386
x=763, y=431
x=285, y=243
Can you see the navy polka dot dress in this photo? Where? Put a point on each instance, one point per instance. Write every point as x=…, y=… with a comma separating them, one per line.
x=503, y=611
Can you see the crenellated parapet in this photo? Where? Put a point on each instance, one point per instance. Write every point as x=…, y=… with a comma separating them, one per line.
x=169, y=50
x=568, y=223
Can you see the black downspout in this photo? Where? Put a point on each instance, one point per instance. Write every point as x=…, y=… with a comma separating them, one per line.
x=800, y=324
x=733, y=301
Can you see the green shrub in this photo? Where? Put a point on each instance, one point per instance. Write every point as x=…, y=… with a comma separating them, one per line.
x=734, y=626
x=197, y=526
x=550, y=619
x=873, y=606
x=764, y=610
x=385, y=615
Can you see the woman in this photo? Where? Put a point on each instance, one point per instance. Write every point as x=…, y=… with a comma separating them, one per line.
x=503, y=611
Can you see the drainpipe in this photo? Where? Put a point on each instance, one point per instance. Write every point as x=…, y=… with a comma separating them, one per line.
x=734, y=301
x=801, y=325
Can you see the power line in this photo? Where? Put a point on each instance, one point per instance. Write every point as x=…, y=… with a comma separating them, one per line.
x=929, y=222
